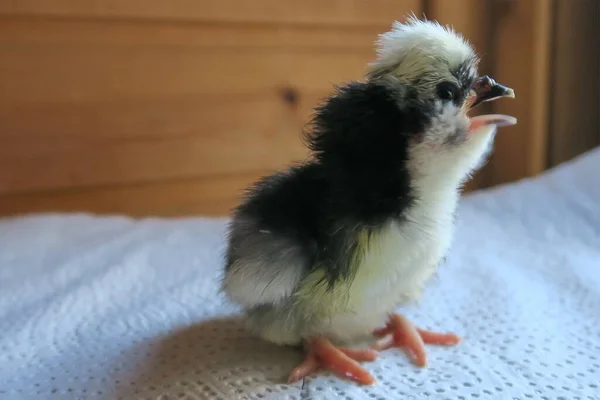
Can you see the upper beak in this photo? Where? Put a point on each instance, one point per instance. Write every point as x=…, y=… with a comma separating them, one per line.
x=486, y=89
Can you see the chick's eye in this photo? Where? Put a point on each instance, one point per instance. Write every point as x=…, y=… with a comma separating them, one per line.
x=447, y=91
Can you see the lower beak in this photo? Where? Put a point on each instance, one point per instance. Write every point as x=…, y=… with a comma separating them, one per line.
x=486, y=89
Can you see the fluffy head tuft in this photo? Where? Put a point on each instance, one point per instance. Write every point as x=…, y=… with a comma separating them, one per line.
x=420, y=49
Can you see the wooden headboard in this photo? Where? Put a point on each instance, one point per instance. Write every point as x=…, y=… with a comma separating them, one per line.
x=166, y=107
x=154, y=107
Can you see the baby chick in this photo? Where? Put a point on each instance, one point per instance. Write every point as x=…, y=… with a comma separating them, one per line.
x=323, y=253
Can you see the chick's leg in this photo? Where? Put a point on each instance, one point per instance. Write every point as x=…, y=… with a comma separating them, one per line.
x=340, y=360
x=404, y=334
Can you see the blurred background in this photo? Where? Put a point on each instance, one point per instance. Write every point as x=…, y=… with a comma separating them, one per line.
x=169, y=108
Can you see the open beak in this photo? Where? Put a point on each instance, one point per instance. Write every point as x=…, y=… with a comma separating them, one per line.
x=486, y=89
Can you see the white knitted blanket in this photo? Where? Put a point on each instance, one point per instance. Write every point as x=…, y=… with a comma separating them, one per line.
x=113, y=308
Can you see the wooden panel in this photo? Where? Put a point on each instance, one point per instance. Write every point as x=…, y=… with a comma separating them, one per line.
x=176, y=144
x=575, y=83
x=65, y=124
x=86, y=113
x=356, y=12
x=119, y=162
x=166, y=108
x=522, y=61
x=16, y=31
x=92, y=73
x=211, y=196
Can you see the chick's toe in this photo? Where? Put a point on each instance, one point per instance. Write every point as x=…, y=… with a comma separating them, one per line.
x=340, y=360
x=400, y=332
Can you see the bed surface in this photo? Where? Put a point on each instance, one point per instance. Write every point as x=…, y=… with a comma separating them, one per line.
x=117, y=308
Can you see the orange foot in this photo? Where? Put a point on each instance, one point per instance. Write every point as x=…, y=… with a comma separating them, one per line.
x=405, y=334
x=340, y=360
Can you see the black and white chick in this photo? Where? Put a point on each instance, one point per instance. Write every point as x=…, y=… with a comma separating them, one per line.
x=323, y=253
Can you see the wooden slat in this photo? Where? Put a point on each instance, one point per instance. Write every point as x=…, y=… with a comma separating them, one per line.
x=153, y=107
x=50, y=127
x=17, y=31
x=90, y=145
x=189, y=110
x=95, y=73
x=522, y=61
x=172, y=138
x=311, y=12
x=213, y=196
x=147, y=161
x=575, y=82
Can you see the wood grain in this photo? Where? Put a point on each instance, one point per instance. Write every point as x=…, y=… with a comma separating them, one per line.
x=119, y=162
x=522, y=61
x=211, y=196
x=575, y=81
x=164, y=108
x=82, y=114
x=55, y=73
x=27, y=31
x=310, y=12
